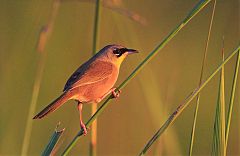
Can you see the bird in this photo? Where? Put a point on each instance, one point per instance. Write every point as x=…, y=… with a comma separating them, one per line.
x=92, y=81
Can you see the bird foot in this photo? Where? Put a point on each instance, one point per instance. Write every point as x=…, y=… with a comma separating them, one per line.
x=83, y=126
x=116, y=94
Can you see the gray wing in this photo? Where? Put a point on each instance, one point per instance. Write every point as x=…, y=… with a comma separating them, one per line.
x=89, y=73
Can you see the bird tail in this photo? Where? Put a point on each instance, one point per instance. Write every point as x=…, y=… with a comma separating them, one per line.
x=54, y=105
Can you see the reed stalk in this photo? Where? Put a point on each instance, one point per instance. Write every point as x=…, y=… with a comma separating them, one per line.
x=43, y=37
x=51, y=146
x=200, y=81
x=93, y=144
x=234, y=85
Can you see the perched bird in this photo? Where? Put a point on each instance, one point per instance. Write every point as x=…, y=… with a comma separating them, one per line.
x=92, y=81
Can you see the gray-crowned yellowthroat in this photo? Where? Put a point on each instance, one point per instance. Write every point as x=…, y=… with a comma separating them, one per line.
x=92, y=81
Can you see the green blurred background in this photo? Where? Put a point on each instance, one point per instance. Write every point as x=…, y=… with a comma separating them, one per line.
x=128, y=122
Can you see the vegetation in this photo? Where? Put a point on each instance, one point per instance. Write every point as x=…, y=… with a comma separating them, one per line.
x=41, y=41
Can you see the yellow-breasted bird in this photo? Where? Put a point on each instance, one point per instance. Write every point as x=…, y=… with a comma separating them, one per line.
x=92, y=81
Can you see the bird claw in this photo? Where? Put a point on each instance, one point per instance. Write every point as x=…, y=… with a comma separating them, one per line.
x=116, y=93
x=83, y=127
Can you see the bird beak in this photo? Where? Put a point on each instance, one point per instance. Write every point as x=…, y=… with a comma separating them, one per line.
x=131, y=51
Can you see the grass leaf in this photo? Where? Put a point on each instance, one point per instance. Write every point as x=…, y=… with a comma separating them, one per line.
x=200, y=81
x=219, y=124
x=50, y=148
x=234, y=84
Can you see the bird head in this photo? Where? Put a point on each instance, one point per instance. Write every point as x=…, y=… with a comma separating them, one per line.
x=116, y=53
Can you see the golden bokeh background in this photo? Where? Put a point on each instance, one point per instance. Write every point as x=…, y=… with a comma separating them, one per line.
x=145, y=103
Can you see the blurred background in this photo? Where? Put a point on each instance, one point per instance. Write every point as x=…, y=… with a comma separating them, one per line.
x=145, y=103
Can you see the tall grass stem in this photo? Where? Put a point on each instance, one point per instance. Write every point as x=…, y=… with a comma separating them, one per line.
x=93, y=144
x=234, y=85
x=200, y=81
x=43, y=37
x=51, y=146
x=219, y=124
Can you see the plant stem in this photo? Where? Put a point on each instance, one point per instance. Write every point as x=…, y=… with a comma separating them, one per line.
x=96, y=27
x=222, y=116
x=43, y=37
x=33, y=103
x=51, y=146
x=200, y=81
x=193, y=12
x=234, y=85
x=219, y=147
x=93, y=144
x=184, y=104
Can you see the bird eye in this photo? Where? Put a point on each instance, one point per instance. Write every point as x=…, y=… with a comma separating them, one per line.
x=117, y=52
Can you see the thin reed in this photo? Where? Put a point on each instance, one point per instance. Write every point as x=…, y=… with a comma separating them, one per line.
x=233, y=91
x=219, y=147
x=51, y=147
x=45, y=33
x=93, y=144
x=200, y=80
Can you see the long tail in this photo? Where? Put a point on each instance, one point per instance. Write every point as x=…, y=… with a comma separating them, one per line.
x=54, y=105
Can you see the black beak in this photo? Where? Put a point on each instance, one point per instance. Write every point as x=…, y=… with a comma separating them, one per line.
x=131, y=51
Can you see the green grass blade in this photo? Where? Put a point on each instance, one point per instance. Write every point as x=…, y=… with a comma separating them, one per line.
x=219, y=125
x=50, y=148
x=184, y=104
x=200, y=81
x=33, y=104
x=216, y=135
x=222, y=112
x=193, y=12
x=229, y=114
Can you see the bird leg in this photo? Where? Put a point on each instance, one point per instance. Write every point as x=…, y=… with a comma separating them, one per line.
x=82, y=125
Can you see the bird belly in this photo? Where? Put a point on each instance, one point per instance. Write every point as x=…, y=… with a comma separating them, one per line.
x=92, y=92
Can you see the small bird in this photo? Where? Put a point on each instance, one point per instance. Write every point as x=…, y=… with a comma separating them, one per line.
x=92, y=81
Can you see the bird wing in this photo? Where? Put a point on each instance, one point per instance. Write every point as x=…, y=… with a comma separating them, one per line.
x=89, y=73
